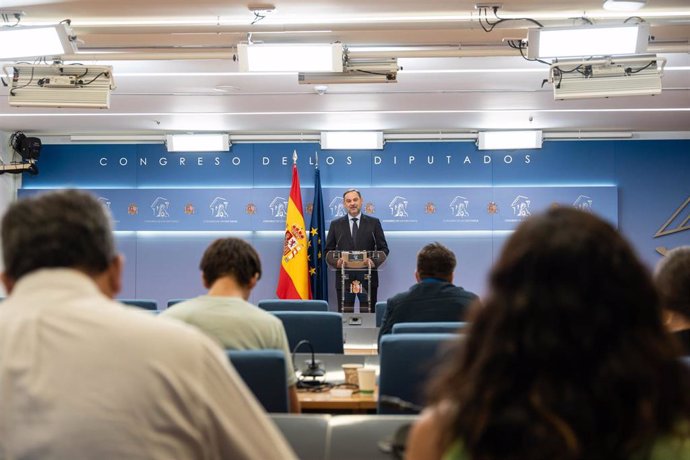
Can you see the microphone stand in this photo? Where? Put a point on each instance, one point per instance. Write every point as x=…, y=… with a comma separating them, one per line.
x=313, y=370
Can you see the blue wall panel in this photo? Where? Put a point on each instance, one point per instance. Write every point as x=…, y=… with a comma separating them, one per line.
x=453, y=193
x=654, y=180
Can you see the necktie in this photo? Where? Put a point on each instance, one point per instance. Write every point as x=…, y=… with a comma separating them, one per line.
x=354, y=229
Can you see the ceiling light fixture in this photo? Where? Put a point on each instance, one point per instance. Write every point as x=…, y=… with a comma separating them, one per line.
x=589, y=40
x=352, y=140
x=355, y=71
x=262, y=57
x=27, y=42
x=59, y=85
x=591, y=78
x=509, y=140
x=197, y=142
x=624, y=5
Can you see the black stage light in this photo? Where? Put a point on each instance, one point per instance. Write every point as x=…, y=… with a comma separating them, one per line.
x=29, y=148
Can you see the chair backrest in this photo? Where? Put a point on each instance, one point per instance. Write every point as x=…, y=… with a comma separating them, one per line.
x=263, y=371
x=172, y=302
x=363, y=436
x=146, y=304
x=323, y=329
x=380, y=311
x=293, y=305
x=451, y=327
x=308, y=434
x=407, y=360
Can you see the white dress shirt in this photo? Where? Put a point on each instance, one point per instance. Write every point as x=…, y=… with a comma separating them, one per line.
x=83, y=377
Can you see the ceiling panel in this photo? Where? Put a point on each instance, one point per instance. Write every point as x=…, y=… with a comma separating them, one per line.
x=164, y=86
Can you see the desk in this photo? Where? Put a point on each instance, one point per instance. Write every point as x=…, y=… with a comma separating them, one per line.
x=323, y=401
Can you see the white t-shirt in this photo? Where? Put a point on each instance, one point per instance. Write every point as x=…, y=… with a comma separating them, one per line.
x=236, y=325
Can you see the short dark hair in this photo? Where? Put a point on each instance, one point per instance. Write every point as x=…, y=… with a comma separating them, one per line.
x=569, y=357
x=673, y=280
x=230, y=257
x=63, y=229
x=350, y=190
x=435, y=261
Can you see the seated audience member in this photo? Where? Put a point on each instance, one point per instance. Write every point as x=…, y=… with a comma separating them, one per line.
x=434, y=297
x=568, y=359
x=673, y=283
x=230, y=270
x=82, y=376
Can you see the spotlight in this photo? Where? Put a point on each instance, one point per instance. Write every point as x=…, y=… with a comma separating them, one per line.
x=29, y=148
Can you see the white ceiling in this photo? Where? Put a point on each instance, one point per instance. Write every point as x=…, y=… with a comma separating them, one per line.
x=163, y=87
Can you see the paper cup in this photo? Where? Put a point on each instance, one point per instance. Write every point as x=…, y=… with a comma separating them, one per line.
x=350, y=371
x=367, y=379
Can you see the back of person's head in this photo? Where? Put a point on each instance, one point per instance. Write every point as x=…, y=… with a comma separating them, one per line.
x=673, y=281
x=64, y=229
x=569, y=358
x=435, y=261
x=231, y=257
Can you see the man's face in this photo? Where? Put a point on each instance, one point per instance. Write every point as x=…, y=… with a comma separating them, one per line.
x=353, y=203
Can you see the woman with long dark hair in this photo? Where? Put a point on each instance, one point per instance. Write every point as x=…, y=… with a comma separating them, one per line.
x=567, y=360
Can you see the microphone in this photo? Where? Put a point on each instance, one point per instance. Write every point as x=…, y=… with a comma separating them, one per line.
x=376, y=255
x=314, y=368
x=337, y=250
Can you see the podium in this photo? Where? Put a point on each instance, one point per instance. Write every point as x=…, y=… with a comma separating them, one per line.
x=354, y=270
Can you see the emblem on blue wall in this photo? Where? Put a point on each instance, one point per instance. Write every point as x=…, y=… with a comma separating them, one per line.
x=160, y=207
x=521, y=206
x=219, y=207
x=398, y=206
x=583, y=203
x=460, y=206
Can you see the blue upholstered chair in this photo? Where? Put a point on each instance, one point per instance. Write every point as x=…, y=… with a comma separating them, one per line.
x=323, y=329
x=380, y=311
x=146, y=304
x=263, y=371
x=293, y=305
x=172, y=302
x=452, y=327
x=406, y=363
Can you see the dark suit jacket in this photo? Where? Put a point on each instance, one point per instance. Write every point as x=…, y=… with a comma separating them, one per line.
x=427, y=301
x=370, y=237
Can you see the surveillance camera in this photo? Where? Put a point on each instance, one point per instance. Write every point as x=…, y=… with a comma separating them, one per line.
x=320, y=89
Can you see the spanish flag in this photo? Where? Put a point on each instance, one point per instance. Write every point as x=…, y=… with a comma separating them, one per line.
x=293, y=281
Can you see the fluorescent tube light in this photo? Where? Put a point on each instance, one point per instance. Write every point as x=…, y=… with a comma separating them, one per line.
x=352, y=140
x=26, y=42
x=263, y=57
x=345, y=78
x=509, y=140
x=624, y=5
x=563, y=42
x=197, y=142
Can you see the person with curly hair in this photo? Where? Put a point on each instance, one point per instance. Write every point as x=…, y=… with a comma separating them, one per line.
x=568, y=359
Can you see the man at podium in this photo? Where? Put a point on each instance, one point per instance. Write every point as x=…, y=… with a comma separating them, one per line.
x=356, y=232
